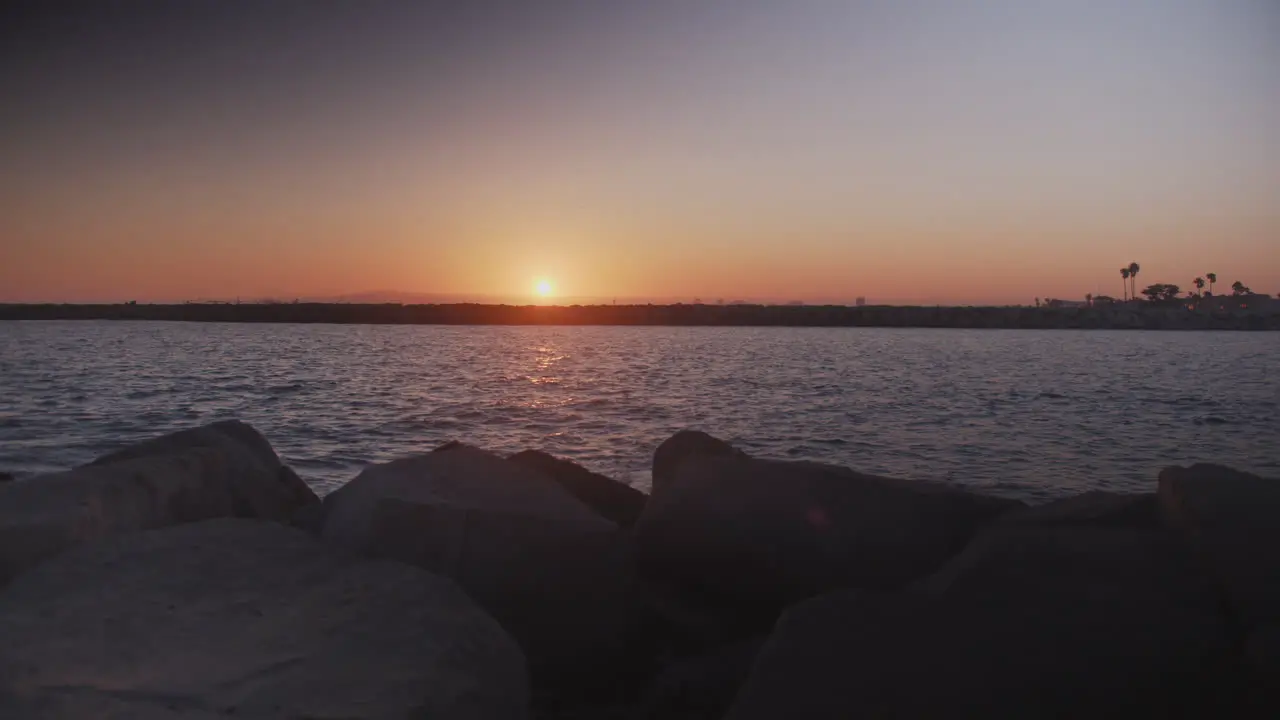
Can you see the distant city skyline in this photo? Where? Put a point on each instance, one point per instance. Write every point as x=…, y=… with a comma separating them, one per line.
x=907, y=151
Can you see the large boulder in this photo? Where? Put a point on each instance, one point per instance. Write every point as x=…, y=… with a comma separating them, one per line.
x=218, y=470
x=1073, y=622
x=770, y=532
x=6, y=477
x=1262, y=650
x=613, y=500
x=258, y=464
x=1095, y=508
x=683, y=445
x=455, y=477
x=243, y=618
x=1229, y=519
x=553, y=573
x=701, y=687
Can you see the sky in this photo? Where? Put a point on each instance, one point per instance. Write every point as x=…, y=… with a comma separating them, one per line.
x=906, y=151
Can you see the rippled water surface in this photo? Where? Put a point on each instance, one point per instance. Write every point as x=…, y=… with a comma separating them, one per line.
x=1032, y=414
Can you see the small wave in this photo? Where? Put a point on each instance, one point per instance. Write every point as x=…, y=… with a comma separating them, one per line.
x=1051, y=396
x=1213, y=420
x=1204, y=402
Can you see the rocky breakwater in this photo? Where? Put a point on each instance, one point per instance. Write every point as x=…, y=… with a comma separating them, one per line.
x=163, y=581
x=461, y=584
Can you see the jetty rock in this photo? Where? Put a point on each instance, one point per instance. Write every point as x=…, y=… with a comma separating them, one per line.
x=247, y=618
x=767, y=533
x=1228, y=518
x=226, y=469
x=1085, y=621
x=613, y=500
x=558, y=576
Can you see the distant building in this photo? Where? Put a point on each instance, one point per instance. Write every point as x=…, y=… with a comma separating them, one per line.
x=1253, y=302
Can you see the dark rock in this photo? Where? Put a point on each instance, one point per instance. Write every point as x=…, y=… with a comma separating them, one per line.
x=297, y=487
x=277, y=501
x=695, y=624
x=461, y=478
x=765, y=533
x=248, y=619
x=556, y=575
x=1096, y=508
x=6, y=477
x=700, y=687
x=309, y=518
x=566, y=594
x=1229, y=518
x=185, y=477
x=683, y=445
x=613, y=500
x=1262, y=651
x=1031, y=621
x=1032, y=560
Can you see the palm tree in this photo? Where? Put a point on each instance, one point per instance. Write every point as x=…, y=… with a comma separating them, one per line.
x=1199, y=283
x=1133, y=274
x=1124, y=273
x=1213, y=278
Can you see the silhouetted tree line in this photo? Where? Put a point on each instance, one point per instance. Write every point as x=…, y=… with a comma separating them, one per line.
x=1098, y=316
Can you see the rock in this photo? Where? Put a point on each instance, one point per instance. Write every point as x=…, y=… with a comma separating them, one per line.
x=556, y=575
x=681, y=446
x=275, y=500
x=695, y=625
x=613, y=500
x=6, y=477
x=247, y=618
x=156, y=484
x=1085, y=621
x=568, y=596
x=1229, y=518
x=460, y=477
x=1097, y=508
x=766, y=533
x=700, y=687
x=309, y=518
x=1031, y=560
x=1262, y=651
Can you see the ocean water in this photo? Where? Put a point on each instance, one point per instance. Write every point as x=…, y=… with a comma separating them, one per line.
x=1028, y=414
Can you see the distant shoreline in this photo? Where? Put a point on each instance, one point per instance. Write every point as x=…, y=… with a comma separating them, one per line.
x=1127, y=316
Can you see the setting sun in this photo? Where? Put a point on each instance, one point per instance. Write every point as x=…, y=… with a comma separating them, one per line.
x=543, y=288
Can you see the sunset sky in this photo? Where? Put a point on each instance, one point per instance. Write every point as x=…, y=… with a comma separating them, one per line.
x=984, y=151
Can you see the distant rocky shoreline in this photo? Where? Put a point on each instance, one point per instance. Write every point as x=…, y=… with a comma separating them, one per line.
x=194, y=575
x=1264, y=314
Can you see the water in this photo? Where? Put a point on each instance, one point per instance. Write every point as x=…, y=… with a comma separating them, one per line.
x=1030, y=414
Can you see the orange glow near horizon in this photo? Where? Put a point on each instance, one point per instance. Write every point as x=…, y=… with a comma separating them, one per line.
x=643, y=152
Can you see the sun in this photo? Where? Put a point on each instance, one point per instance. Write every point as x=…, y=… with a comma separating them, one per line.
x=543, y=287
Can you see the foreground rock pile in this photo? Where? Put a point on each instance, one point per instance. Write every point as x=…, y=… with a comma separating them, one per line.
x=196, y=576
